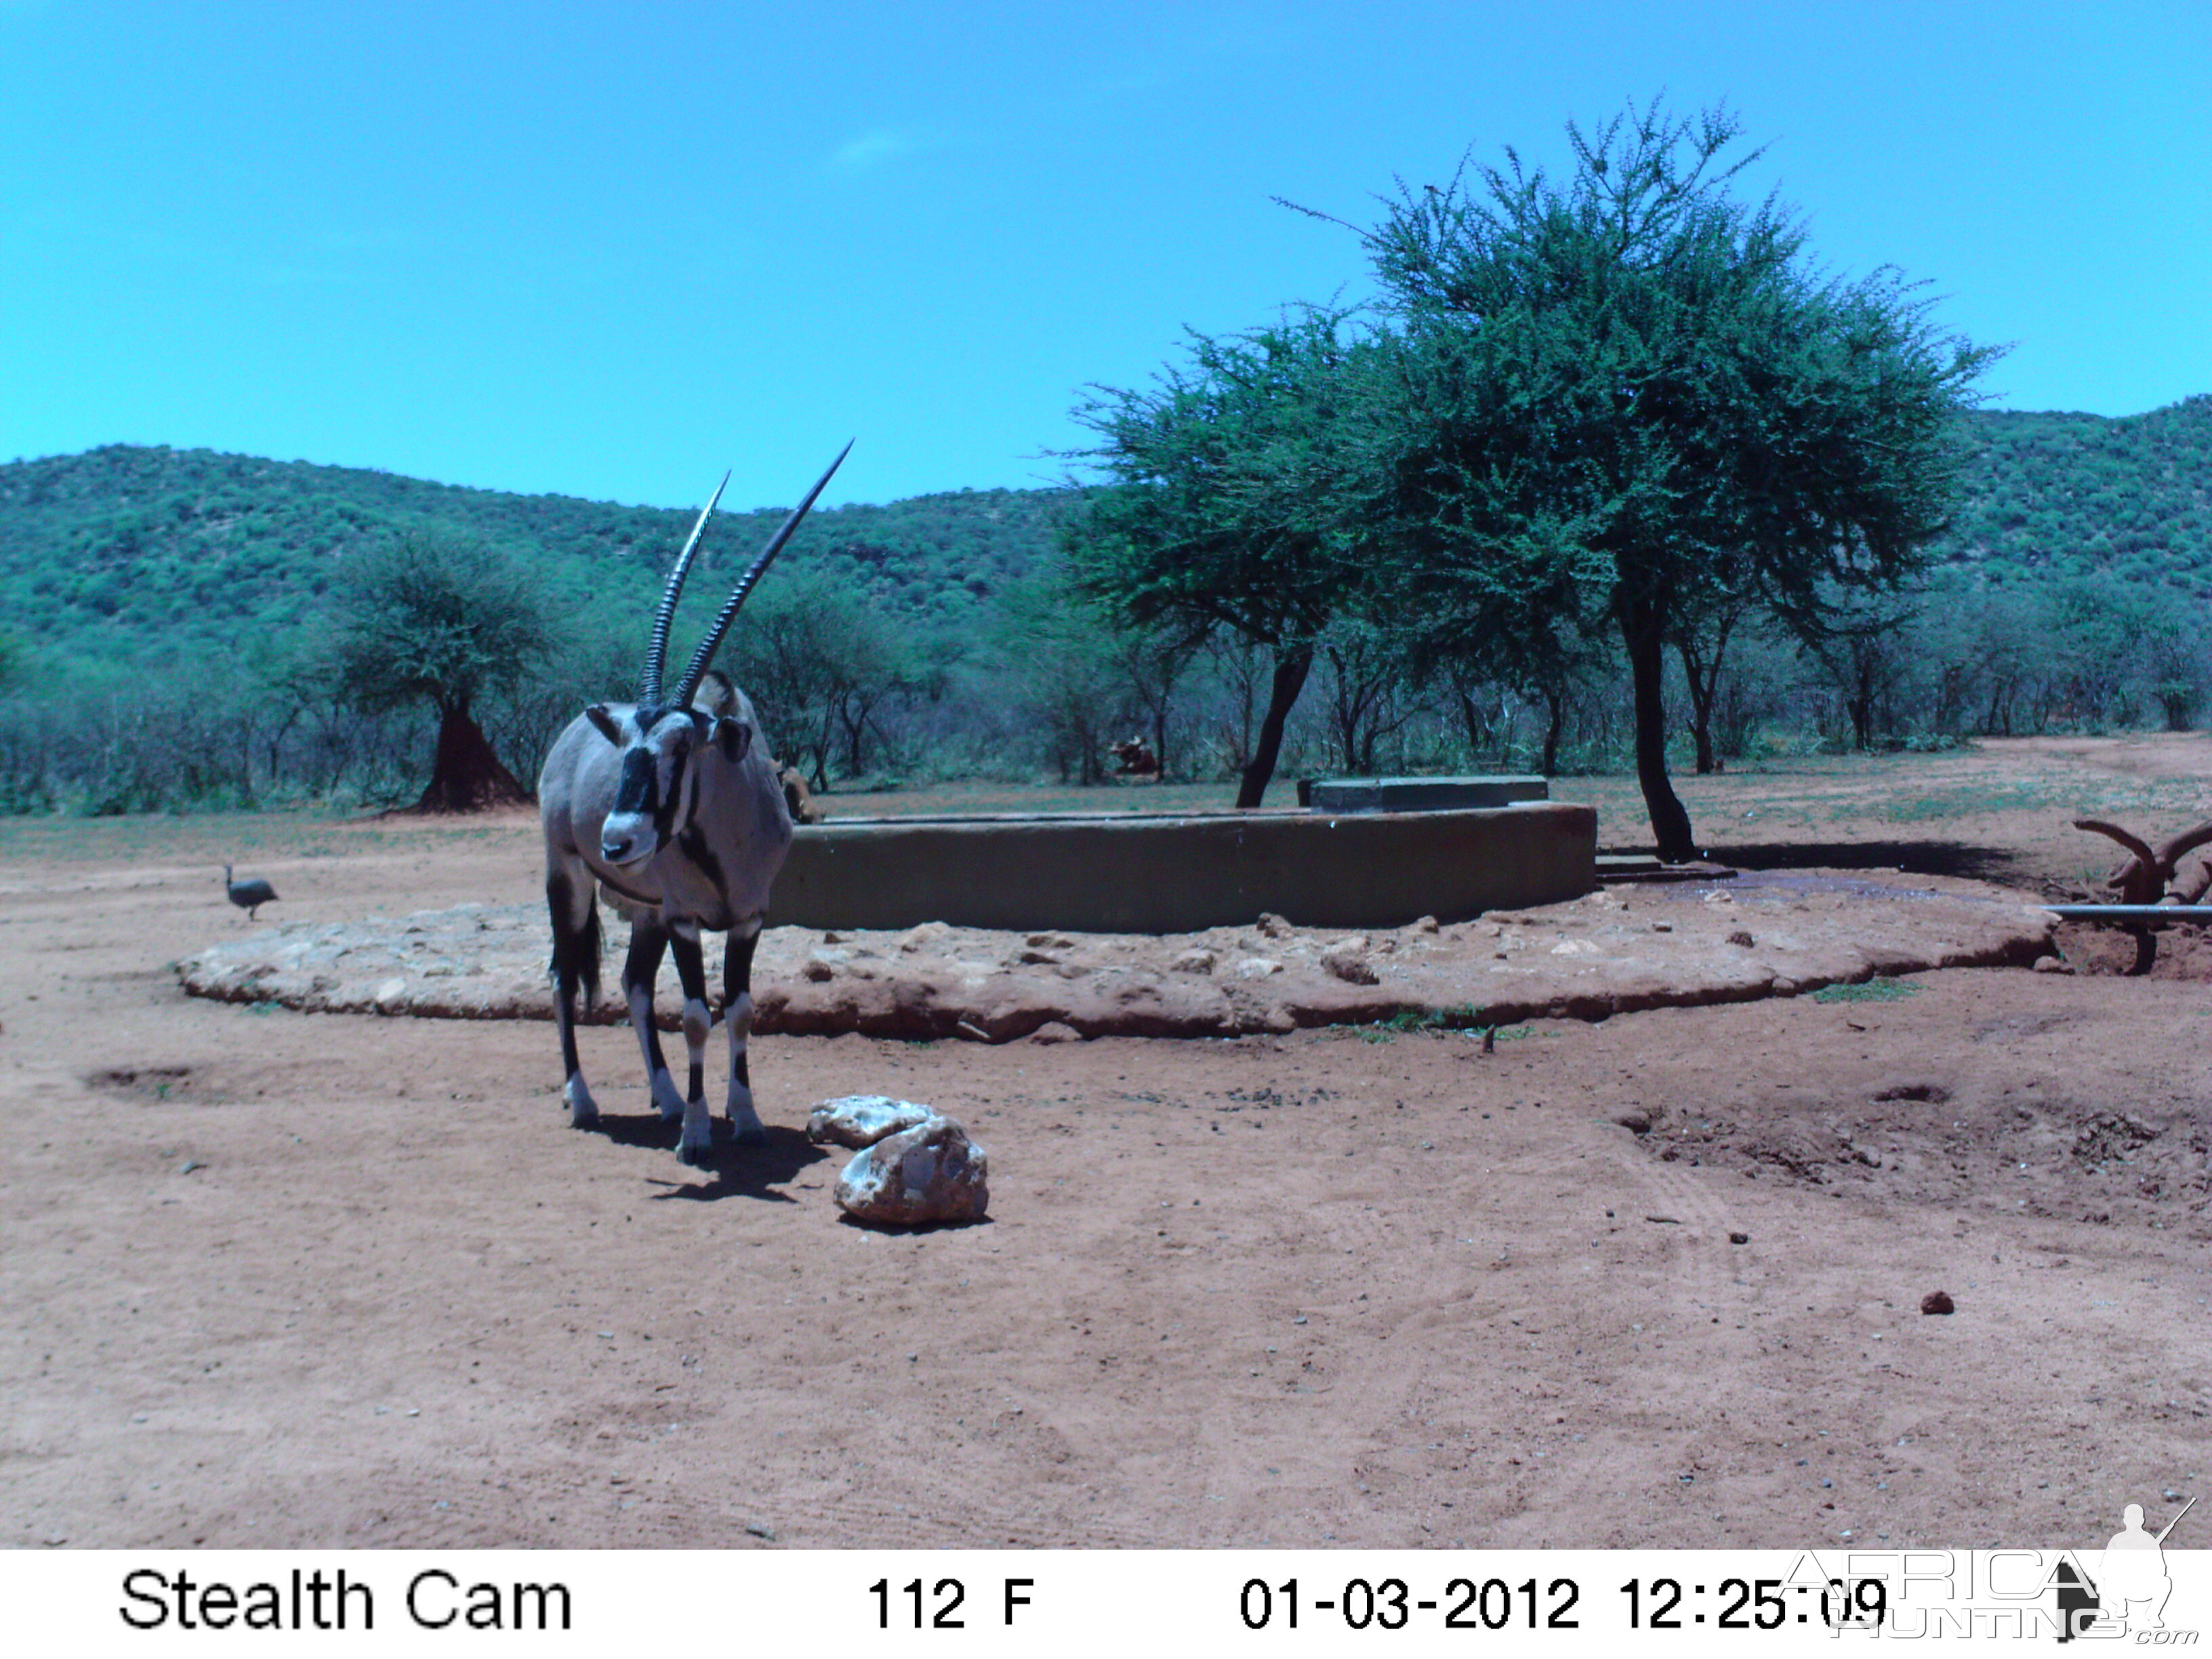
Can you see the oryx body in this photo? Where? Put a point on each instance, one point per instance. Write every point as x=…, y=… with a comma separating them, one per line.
x=673, y=805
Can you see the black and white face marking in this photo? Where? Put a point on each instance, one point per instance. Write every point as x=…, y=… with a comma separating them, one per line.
x=658, y=788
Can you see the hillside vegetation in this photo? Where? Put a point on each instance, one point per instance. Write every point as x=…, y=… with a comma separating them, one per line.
x=139, y=557
x=2053, y=495
x=191, y=600
x=144, y=557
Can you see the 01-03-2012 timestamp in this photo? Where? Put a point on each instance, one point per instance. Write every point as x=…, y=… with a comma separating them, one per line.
x=1391, y=1604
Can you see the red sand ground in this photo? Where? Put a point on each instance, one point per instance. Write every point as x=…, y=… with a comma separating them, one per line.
x=279, y=1278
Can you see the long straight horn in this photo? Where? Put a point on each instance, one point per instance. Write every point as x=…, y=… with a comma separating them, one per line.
x=708, y=646
x=656, y=652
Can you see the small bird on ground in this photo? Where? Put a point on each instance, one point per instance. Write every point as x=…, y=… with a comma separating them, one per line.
x=248, y=895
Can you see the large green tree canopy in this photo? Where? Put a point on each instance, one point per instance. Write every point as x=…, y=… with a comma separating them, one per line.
x=441, y=621
x=1232, y=500
x=1631, y=395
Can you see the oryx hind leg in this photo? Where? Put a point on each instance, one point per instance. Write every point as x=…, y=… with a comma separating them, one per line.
x=695, y=1145
x=571, y=897
x=737, y=1016
x=649, y=942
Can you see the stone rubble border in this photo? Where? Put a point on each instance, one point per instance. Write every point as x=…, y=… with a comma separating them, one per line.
x=1620, y=949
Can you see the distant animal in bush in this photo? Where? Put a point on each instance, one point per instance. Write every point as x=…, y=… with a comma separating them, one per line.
x=796, y=797
x=671, y=807
x=1134, y=759
x=249, y=894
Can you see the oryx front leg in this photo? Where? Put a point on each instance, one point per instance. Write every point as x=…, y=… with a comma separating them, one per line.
x=570, y=896
x=648, y=942
x=737, y=1016
x=695, y=1145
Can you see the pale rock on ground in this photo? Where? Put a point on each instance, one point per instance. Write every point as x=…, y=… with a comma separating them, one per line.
x=932, y=1172
x=863, y=1119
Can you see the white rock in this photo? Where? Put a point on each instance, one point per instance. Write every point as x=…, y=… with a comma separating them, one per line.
x=863, y=1119
x=1257, y=967
x=932, y=1172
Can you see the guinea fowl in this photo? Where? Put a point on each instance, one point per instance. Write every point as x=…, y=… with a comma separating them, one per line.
x=250, y=894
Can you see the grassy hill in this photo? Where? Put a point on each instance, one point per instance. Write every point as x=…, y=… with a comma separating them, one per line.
x=155, y=554
x=2051, y=496
x=148, y=556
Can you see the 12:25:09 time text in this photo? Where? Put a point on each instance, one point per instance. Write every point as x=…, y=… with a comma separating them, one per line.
x=1760, y=1604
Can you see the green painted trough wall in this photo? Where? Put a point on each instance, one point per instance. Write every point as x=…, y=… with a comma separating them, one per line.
x=1132, y=874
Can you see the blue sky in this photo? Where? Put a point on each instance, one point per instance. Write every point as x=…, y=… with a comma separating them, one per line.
x=609, y=251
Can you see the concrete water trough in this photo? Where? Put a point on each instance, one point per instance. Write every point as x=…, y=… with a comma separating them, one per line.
x=1420, y=794
x=1127, y=873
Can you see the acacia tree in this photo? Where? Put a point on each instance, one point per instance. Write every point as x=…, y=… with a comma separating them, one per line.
x=1701, y=635
x=1057, y=659
x=1633, y=385
x=446, y=623
x=819, y=664
x=1372, y=691
x=1867, y=657
x=1232, y=503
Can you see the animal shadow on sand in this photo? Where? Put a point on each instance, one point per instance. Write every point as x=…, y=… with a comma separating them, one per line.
x=755, y=1171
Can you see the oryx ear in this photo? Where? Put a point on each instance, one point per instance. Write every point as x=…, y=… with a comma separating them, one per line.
x=735, y=737
x=597, y=713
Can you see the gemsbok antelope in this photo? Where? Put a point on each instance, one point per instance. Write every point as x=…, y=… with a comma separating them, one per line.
x=673, y=805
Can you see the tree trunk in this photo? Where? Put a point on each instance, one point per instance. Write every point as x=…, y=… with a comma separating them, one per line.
x=1643, y=631
x=1555, y=702
x=284, y=726
x=1860, y=703
x=1290, y=678
x=856, y=730
x=466, y=776
x=1702, y=674
x=1701, y=703
x=1471, y=721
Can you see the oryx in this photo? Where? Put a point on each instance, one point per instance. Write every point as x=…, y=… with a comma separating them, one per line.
x=673, y=806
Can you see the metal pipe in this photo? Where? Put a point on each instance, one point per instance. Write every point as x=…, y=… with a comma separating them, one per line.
x=2130, y=912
